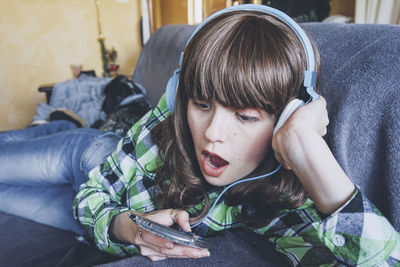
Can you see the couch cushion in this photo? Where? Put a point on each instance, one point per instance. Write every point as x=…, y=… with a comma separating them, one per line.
x=26, y=243
x=159, y=58
x=360, y=81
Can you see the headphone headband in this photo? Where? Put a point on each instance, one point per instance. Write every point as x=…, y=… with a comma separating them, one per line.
x=309, y=74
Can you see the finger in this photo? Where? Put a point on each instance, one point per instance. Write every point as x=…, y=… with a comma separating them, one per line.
x=325, y=116
x=286, y=166
x=155, y=255
x=324, y=126
x=324, y=132
x=155, y=241
x=181, y=217
x=157, y=258
x=179, y=251
x=278, y=156
x=281, y=161
x=276, y=146
x=180, y=257
x=321, y=100
x=186, y=252
x=152, y=254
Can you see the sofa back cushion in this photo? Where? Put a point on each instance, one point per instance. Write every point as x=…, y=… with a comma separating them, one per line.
x=159, y=58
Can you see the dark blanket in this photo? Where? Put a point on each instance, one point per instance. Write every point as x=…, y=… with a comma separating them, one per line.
x=26, y=243
x=233, y=248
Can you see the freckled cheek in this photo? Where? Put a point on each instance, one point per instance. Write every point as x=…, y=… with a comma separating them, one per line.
x=256, y=154
x=258, y=150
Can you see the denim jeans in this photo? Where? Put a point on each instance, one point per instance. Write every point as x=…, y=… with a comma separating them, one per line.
x=41, y=169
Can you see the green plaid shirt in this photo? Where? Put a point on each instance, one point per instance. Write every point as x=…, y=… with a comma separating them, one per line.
x=356, y=234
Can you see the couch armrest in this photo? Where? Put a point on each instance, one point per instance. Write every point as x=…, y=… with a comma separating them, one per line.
x=47, y=89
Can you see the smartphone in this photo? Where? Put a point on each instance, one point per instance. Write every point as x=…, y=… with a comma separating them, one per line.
x=168, y=233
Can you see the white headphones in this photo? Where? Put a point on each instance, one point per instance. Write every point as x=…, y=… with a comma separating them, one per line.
x=309, y=75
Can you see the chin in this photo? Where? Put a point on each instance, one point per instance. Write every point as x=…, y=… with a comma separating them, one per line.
x=216, y=181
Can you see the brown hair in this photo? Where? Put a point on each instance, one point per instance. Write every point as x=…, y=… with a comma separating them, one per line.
x=240, y=59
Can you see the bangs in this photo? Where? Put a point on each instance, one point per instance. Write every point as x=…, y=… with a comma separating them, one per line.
x=233, y=74
x=245, y=66
x=229, y=88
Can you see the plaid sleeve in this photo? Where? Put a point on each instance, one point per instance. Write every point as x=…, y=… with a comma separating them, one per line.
x=121, y=183
x=357, y=234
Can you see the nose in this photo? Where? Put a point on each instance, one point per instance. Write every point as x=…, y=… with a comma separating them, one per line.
x=217, y=128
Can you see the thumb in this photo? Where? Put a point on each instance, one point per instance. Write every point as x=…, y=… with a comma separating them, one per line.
x=181, y=217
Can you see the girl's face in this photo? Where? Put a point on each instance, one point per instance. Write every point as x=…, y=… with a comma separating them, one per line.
x=229, y=143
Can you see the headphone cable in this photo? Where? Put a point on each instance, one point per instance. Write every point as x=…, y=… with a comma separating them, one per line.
x=235, y=183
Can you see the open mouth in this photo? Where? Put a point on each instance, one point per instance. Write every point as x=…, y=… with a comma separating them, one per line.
x=213, y=164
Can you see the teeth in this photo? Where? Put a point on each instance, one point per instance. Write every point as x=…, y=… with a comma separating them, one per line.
x=215, y=166
x=209, y=161
x=215, y=161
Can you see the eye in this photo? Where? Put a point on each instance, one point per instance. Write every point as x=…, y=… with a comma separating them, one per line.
x=201, y=105
x=245, y=118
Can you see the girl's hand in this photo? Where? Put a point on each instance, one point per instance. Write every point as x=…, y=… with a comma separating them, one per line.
x=298, y=145
x=305, y=122
x=152, y=246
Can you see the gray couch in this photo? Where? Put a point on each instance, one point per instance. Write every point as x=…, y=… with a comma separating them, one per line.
x=359, y=79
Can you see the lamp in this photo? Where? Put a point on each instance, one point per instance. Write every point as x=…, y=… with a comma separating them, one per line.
x=108, y=56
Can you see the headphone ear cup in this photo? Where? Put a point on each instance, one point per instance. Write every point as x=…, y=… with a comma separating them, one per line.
x=170, y=91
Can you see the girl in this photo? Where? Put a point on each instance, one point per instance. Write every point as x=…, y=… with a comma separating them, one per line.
x=238, y=73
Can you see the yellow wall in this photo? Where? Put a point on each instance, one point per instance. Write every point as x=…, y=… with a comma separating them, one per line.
x=40, y=39
x=343, y=7
x=170, y=12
